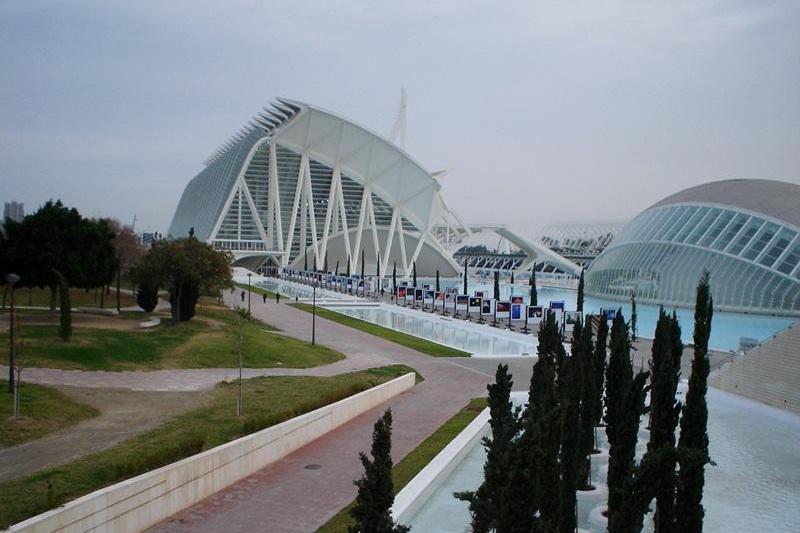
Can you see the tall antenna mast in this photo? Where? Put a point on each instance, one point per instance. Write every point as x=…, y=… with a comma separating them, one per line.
x=398, y=135
x=133, y=225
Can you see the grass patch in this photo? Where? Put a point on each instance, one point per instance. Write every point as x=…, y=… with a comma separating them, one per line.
x=404, y=471
x=206, y=341
x=409, y=341
x=78, y=298
x=43, y=410
x=267, y=401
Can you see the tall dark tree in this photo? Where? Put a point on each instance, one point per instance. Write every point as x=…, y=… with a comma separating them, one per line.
x=372, y=509
x=512, y=277
x=348, y=266
x=305, y=257
x=624, y=406
x=496, y=285
x=599, y=364
x=336, y=270
x=534, y=295
x=570, y=397
x=634, y=317
x=492, y=504
x=363, y=266
x=580, y=293
x=466, y=288
x=438, y=288
x=693, y=442
x=586, y=419
x=325, y=266
x=664, y=411
x=544, y=408
x=414, y=273
x=65, y=318
x=394, y=278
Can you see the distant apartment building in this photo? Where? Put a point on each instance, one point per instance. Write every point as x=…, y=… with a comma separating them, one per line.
x=14, y=210
x=147, y=238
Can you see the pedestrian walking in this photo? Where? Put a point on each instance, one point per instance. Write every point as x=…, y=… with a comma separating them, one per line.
x=243, y=296
x=277, y=297
x=264, y=297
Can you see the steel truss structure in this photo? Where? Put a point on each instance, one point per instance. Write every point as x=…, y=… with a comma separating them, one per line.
x=300, y=185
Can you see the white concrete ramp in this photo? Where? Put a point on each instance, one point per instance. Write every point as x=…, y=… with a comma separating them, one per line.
x=769, y=373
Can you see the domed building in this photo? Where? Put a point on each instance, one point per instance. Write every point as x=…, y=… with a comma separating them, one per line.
x=746, y=233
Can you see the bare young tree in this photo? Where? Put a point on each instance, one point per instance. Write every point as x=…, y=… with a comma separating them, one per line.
x=128, y=250
x=243, y=317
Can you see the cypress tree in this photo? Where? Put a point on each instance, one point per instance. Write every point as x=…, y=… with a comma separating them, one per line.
x=664, y=411
x=570, y=395
x=693, y=442
x=372, y=509
x=599, y=365
x=65, y=307
x=394, y=278
x=305, y=258
x=545, y=410
x=491, y=506
x=624, y=407
x=466, y=288
x=534, y=295
x=512, y=277
x=414, y=273
x=437, y=281
x=337, y=268
x=325, y=266
x=348, y=266
x=634, y=328
x=496, y=285
x=580, y=293
x=587, y=407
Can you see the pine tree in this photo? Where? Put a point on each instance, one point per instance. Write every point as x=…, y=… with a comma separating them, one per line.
x=491, y=505
x=372, y=509
x=437, y=281
x=634, y=328
x=599, y=365
x=693, y=442
x=414, y=273
x=624, y=407
x=466, y=288
x=580, y=293
x=496, y=285
x=534, y=295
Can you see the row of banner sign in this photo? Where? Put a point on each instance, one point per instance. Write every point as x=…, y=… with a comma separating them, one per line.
x=514, y=308
x=332, y=281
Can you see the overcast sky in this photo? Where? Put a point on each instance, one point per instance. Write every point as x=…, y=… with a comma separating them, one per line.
x=545, y=111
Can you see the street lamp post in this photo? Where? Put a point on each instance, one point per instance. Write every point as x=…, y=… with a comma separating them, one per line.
x=314, y=315
x=11, y=279
x=249, y=274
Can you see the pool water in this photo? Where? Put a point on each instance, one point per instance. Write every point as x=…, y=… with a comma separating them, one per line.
x=754, y=486
x=726, y=329
x=470, y=337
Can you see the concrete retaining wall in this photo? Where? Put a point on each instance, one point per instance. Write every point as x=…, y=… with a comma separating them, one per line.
x=416, y=493
x=138, y=503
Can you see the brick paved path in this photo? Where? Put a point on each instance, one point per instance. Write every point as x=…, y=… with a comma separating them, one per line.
x=287, y=496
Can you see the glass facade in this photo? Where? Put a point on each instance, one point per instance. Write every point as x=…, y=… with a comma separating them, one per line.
x=754, y=259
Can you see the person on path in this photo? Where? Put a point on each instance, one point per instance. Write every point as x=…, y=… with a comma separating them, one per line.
x=277, y=297
x=264, y=297
x=242, y=295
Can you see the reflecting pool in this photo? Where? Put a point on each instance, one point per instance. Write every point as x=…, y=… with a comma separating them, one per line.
x=754, y=486
x=470, y=337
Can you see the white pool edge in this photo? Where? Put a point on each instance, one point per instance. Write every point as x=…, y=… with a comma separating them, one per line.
x=414, y=495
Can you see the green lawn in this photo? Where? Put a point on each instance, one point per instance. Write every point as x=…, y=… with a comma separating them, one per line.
x=43, y=410
x=404, y=471
x=410, y=341
x=267, y=401
x=78, y=298
x=206, y=341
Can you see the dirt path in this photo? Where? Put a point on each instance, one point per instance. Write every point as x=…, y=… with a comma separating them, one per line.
x=123, y=414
